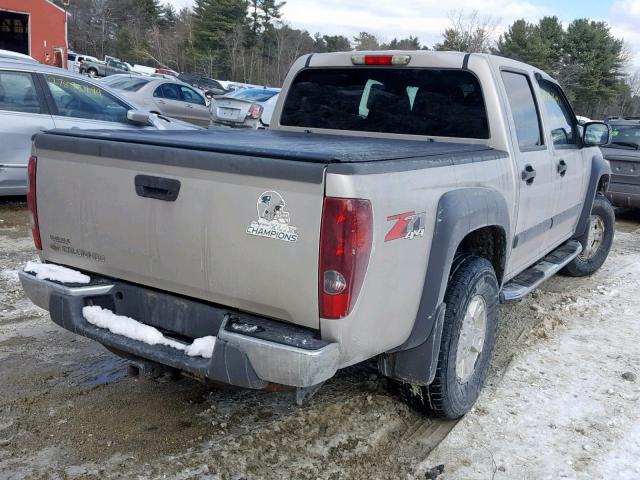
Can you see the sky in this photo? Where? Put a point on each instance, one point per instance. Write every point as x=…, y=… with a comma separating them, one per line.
x=427, y=19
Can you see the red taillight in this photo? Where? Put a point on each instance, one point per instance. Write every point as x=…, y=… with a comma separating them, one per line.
x=255, y=111
x=378, y=59
x=345, y=245
x=31, y=201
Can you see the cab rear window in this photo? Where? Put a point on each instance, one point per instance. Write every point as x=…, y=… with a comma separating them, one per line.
x=430, y=102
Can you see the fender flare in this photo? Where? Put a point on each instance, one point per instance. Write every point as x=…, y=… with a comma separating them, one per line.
x=599, y=168
x=460, y=212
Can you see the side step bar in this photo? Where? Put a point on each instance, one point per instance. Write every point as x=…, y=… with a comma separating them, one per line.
x=531, y=278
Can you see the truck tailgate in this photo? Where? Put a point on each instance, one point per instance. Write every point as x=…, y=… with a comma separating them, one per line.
x=242, y=232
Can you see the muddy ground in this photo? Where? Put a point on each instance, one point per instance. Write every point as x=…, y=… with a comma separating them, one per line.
x=69, y=409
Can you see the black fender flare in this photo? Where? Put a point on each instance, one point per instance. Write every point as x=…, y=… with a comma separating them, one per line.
x=599, y=168
x=460, y=212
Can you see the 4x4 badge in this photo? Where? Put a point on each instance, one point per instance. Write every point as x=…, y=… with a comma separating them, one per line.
x=273, y=220
x=407, y=225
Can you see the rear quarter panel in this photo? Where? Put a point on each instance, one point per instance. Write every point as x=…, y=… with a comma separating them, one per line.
x=386, y=309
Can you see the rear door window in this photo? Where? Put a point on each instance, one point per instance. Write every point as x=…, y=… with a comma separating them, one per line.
x=429, y=102
x=523, y=109
x=18, y=93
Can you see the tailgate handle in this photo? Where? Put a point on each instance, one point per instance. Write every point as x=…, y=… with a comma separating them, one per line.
x=158, y=188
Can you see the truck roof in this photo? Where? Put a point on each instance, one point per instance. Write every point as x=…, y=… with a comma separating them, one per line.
x=419, y=59
x=306, y=147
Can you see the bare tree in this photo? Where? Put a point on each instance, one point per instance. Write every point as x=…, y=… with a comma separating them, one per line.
x=469, y=32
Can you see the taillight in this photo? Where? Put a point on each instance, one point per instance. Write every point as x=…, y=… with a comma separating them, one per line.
x=31, y=201
x=360, y=59
x=255, y=111
x=345, y=245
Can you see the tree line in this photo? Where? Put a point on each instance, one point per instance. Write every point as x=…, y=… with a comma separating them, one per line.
x=249, y=41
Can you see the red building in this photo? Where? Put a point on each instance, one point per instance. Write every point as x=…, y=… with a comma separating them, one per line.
x=34, y=27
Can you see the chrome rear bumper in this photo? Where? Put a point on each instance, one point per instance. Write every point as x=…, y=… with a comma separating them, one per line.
x=250, y=351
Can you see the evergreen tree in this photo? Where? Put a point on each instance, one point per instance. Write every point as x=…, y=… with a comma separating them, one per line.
x=214, y=20
x=337, y=43
x=522, y=41
x=366, y=41
x=592, y=64
x=411, y=43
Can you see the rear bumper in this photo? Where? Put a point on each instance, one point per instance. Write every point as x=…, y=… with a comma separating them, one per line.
x=623, y=195
x=13, y=180
x=272, y=353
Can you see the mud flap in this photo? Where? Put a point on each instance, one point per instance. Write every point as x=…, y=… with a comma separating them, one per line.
x=417, y=365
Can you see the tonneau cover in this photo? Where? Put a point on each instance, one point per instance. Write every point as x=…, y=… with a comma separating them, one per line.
x=305, y=147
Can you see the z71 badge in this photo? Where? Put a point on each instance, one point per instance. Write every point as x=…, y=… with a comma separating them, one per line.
x=273, y=221
x=407, y=225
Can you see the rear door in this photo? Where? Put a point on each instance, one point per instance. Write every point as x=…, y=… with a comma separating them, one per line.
x=536, y=179
x=23, y=112
x=569, y=162
x=195, y=107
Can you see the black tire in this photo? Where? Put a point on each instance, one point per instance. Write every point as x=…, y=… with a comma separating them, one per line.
x=589, y=261
x=448, y=397
x=92, y=72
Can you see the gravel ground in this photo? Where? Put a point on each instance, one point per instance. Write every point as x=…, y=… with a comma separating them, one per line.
x=69, y=409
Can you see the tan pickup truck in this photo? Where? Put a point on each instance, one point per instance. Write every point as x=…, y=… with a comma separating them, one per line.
x=397, y=200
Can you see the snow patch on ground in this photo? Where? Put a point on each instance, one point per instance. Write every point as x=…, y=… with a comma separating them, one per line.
x=10, y=276
x=135, y=330
x=57, y=273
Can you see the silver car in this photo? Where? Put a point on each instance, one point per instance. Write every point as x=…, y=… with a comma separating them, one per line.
x=166, y=96
x=247, y=107
x=36, y=97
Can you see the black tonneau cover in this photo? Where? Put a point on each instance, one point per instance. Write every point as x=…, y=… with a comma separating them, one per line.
x=297, y=146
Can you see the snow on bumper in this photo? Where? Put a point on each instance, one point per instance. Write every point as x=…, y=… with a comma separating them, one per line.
x=249, y=351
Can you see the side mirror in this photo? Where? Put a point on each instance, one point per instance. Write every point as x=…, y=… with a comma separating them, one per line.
x=138, y=117
x=596, y=134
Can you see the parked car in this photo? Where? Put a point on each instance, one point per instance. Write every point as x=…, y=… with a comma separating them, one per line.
x=36, y=97
x=168, y=97
x=167, y=71
x=385, y=223
x=103, y=69
x=75, y=60
x=245, y=107
x=16, y=57
x=623, y=153
x=209, y=86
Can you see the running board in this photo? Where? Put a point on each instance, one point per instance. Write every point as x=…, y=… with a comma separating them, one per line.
x=532, y=277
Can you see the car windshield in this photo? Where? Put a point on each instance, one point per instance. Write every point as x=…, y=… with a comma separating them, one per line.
x=254, y=94
x=431, y=102
x=622, y=134
x=129, y=84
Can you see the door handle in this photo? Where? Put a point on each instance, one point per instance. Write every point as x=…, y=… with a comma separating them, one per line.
x=528, y=174
x=161, y=102
x=158, y=188
x=562, y=168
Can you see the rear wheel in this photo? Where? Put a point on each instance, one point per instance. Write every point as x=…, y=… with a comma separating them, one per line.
x=93, y=73
x=597, y=240
x=468, y=339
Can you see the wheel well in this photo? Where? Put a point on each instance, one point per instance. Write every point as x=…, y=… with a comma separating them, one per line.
x=488, y=242
x=603, y=184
